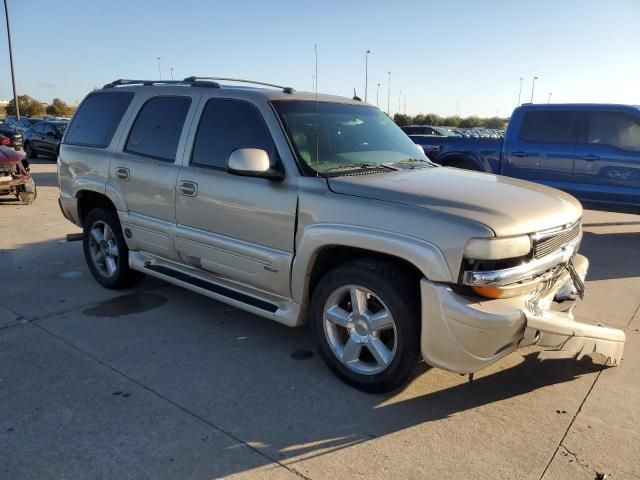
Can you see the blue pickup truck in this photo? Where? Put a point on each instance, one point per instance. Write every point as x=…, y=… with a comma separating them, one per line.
x=589, y=150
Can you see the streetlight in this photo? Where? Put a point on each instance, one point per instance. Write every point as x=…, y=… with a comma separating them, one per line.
x=171, y=73
x=377, y=94
x=405, y=104
x=549, y=97
x=389, y=95
x=533, y=86
x=366, y=73
x=399, y=98
x=520, y=91
x=13, y=76
x=159, y=69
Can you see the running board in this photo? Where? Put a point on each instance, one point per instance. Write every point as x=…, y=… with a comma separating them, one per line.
x=270, y=306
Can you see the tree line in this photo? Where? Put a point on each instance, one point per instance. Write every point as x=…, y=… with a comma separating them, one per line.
x=30, y=107
x=452, y=121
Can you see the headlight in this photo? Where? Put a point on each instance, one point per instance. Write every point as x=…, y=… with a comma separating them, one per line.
x=497, y=248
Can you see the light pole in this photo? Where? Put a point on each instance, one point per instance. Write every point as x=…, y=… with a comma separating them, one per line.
x=171, y=73
x=399, y=98
x=13, y=75
x=520, y=91
x=533, y=87
x=405, y=104
x=159, y=68
x=366, y=73
x=377, y=94
x=549, y=97
x=389, y=95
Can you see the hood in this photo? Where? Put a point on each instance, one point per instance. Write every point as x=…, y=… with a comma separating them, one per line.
x=506, y=205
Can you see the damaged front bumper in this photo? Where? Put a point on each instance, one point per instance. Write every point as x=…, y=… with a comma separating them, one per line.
x=464, y=335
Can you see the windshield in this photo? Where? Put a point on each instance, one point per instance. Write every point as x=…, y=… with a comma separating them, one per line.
x=330, y=137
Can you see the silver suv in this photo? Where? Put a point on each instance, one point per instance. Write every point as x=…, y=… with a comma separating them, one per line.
x=303, y=207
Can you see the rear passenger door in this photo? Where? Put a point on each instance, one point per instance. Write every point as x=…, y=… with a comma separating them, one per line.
x=238, y=227
x=607, y=165
x=145, y=171
x=543, y=149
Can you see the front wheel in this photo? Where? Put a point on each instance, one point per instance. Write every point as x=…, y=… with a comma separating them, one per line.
x=105, y=250
x=28, y=150
x=365, y=321
x=27, y=193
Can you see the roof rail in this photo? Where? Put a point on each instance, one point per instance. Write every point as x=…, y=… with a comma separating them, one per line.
x=240, y=80
x=124, y=81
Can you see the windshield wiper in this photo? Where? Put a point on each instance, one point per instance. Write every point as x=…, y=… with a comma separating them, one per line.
x=360, y=166
x=413, y=160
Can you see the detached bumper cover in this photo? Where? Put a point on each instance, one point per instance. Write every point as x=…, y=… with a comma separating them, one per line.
x=465, y=335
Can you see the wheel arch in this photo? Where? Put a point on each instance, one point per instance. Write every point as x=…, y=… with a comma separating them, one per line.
x=89, y=200
x=322, y=247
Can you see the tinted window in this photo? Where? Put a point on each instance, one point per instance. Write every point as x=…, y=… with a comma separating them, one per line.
x=547, y=127
x=619, y=130
x=225, y=126
x=48, y=128
x=38, y=128
x=97, y=118
x=157, y=129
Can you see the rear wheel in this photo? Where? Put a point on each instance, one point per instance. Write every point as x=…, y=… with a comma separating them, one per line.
x=365, y=321
x=105, y=250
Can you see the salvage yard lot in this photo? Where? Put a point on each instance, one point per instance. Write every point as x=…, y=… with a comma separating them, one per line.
x=158, y=382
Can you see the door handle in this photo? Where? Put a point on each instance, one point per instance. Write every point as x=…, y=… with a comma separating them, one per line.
x=589, y=158
x=122, y=173
x=188, y=188
x=519, y=154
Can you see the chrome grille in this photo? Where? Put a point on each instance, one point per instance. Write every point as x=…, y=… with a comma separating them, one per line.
x=549, y=243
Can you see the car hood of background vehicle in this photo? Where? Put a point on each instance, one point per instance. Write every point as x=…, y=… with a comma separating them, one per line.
x=506, y=205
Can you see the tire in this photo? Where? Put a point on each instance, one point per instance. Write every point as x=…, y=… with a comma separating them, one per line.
x=350, y=343
x=28, y=150
x=27, y=193
x=105, y=250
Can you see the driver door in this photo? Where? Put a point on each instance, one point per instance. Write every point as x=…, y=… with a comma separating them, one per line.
x=240, y=228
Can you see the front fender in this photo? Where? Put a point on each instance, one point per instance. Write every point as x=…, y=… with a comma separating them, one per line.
x=422, y=254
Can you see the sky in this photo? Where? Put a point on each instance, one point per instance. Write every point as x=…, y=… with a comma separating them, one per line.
x=463, y=57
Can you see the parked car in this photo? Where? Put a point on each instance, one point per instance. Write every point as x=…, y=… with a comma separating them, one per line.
x=24, y=123
x=10, y=119
x=589, y=150
x=426, y=130
x=302, y=207
x=15, y=138
x=44, y=138
x=4, y=141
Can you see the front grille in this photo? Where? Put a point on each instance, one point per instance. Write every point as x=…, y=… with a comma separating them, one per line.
x=550, y=244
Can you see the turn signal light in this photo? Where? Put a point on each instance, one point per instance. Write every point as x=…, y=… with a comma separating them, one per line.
x=488, y=292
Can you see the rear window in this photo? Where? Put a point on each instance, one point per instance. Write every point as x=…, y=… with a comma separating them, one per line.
x=157, y=129
x=547, y=127
x=96, y=120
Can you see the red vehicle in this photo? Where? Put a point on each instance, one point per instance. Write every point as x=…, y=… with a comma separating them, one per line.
x=5, y=141
x=15, y=178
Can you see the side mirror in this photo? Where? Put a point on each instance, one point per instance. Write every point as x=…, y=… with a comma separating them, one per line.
x=252, y=162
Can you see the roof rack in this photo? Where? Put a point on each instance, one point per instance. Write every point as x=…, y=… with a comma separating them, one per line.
x=148, y=83
x=240, y=80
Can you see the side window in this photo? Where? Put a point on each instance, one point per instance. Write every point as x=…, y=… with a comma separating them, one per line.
x=49, y=129
x=547, y=127
x=38, y=128
x=225, y=126
x=96, y=120
x=158, y=126
x=617, y=129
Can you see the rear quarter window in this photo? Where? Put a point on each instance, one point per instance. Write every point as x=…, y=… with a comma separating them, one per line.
x=97, y=119
x=547, y=127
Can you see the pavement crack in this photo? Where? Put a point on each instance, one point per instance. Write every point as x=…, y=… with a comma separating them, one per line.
x=175, y=404
x=578, y=461
x=560, y=443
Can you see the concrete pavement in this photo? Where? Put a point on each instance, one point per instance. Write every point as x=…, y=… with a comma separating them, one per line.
x=158, y=382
